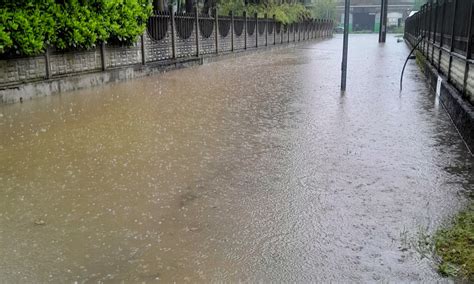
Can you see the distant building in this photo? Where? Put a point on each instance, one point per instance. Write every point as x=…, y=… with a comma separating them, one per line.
x=365, y=14
x=308, y=3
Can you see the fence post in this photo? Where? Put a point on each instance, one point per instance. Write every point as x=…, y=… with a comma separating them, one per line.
x=274, y=30
x=418, y=29
x=326, y=30
x=299, y=31
x=142, y=38
x=305, y=31
x=256, y=30
x=427, y=38
x=196, y=20
x=232, y=31
x=451, y=47
x=245, y=29
x=266, y=29
x=429, y=10
x=423, y=28
x=315, y=28
x=322, y=29
x=47, y=63
x=294, y=32
x=434, y=31
x=281, y=33
x=318, y=28
x=441, y=40
x=309, y=29
x=327, y=27
x=422, y=23
x=433, y=28
x=470, y=33
x=288, y=31
x=216, y=21
x=102, y=54
x=173, y=33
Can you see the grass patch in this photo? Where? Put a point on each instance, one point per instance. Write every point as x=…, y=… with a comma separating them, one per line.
x=455, y=246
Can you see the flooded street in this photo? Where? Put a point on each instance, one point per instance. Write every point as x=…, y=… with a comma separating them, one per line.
x=250, y=169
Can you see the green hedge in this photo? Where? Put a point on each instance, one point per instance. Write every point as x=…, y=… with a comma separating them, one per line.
x=29, y=26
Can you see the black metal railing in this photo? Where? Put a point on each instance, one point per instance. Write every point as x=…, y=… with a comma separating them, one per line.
x=445, y=28
x=157, y=25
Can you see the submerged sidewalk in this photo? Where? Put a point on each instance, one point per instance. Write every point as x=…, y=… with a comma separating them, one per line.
x=254, y=168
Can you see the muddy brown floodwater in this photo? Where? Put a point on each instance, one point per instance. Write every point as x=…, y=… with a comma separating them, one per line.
x=250, y=169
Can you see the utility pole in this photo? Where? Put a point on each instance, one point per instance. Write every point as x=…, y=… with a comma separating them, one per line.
x=383, y=21
x=345, y=45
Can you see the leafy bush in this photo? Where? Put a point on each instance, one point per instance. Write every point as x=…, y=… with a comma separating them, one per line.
x=29, y=26
x=227, y=6
x=127, y=19
x=78, y=26
x=324, y=9
x=5, y=40
x=25, y=30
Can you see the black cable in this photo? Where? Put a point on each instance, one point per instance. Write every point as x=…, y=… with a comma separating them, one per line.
x=406, y=61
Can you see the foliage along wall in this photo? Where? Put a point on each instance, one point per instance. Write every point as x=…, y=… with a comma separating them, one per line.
x=27, y=27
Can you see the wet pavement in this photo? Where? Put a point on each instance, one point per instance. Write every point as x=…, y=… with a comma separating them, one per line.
x=251, y=169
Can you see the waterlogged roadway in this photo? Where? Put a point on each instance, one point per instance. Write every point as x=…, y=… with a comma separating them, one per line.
x=251, y=169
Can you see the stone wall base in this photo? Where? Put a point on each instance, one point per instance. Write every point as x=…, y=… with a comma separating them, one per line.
x=41, y=88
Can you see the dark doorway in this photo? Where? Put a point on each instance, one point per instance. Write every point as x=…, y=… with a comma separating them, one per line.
x=363, y=22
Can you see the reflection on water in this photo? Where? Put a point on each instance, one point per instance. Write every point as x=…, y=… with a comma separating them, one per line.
x=249, y=169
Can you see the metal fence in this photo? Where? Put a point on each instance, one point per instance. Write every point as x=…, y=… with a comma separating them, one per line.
x=214, y=34
x=168, y=37
x=445, y=28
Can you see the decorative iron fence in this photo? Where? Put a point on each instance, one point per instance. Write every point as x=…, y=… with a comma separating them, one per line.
x=220, y=34
x=445, y=28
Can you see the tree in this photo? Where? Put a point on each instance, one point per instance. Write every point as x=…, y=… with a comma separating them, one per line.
x=209, y=5
x=160, y=5
x=324, y=9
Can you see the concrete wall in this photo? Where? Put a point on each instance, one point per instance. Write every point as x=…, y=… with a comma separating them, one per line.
x=13, y=71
